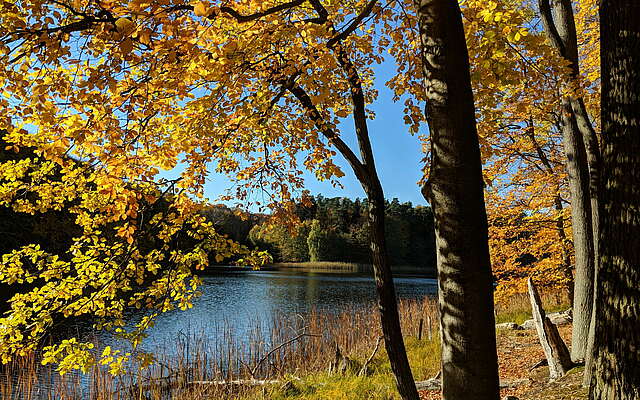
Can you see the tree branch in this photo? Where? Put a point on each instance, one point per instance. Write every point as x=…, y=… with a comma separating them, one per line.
x=330, y=134
x=359, y=109
x=550, y=27
x=353, y=25
x=322, y=17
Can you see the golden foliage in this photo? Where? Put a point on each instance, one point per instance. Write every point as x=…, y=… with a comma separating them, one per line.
x=110, y=95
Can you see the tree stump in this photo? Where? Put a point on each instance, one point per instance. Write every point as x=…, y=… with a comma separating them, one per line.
x=554, y=347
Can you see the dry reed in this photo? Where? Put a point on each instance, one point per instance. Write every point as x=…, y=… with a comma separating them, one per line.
x=286, y=346
x=289, y=345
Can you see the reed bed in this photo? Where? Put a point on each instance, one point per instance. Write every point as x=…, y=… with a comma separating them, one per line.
x=325, y=266
x=203, y=364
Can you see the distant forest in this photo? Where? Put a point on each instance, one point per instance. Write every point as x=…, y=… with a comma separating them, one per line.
x=334, y=229
x=330, y=229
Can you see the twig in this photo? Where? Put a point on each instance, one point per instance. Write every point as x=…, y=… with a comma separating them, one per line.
x=278, y=347
x=363, y=370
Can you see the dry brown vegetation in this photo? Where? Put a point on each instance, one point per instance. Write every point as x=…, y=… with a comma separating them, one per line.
x=297, y=349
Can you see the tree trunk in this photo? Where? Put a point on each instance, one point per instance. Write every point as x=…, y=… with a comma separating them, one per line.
x=365, y=171
x=387, y=303
x=582, y=232
x=367, y=175
x=561, y=30
x=616, y=373
x=566, y=267
x=456, y=193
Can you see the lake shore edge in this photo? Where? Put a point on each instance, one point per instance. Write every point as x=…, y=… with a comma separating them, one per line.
x=323, y=266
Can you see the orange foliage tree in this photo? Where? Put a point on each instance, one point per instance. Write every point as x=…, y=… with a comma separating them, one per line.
x=518, y=86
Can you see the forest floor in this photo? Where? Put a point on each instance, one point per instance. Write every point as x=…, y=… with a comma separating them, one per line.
x=518, y=352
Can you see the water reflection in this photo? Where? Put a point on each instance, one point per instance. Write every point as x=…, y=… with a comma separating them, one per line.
x=238, y=298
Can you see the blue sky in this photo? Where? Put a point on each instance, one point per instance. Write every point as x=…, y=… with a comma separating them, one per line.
x=397, y=153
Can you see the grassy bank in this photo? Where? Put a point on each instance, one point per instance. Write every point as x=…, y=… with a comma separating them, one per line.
x=338, y=266
x=517, y=308
x=293, y=354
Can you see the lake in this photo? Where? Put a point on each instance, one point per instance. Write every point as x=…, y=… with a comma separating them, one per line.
x=232, y=320
x=240, y=298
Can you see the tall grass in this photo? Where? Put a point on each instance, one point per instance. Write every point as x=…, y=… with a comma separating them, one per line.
x=331, y=266
x=203, y=365
x=339, y=266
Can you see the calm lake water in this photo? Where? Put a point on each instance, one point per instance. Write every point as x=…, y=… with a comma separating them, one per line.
x=240, y=298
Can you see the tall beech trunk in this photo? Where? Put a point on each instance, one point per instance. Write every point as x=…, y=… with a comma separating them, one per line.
x=558, y=19
x=616, y=373
x=456, y=193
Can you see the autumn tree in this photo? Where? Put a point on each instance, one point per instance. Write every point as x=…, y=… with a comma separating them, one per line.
x=136, y=87
x=583, y=154
x=514, y=77
x=617, y=343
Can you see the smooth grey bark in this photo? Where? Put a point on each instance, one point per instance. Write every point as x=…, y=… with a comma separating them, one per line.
x=558, y=19
x=456, y=192
x=578, y=177
x=616, y=372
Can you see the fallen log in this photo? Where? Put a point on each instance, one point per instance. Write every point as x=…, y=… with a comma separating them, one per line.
x=435, y=384
x=555, y=350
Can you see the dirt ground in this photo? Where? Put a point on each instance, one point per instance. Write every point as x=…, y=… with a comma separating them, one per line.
x=518, y=352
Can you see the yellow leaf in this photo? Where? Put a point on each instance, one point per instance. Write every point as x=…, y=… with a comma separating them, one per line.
x=201, y=10
x=124, y=25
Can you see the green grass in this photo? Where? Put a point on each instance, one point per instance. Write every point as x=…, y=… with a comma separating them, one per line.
x=424, y=357
x=517, y=316
x=324, y=386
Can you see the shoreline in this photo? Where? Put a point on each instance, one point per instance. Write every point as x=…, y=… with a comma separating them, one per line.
x=322, y=266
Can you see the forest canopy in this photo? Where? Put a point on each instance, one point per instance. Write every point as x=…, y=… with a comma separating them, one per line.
x=100, y=97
